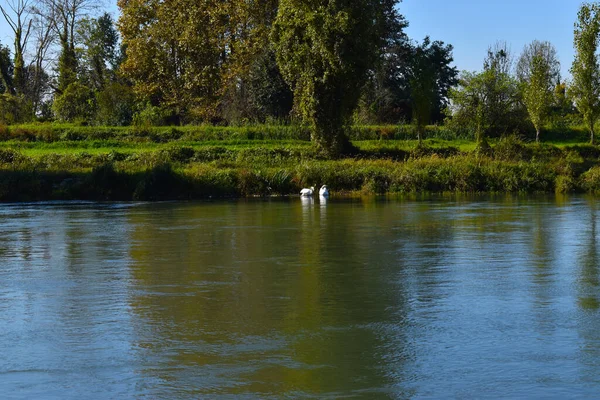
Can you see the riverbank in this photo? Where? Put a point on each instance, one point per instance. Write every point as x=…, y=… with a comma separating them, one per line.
x=129, y=170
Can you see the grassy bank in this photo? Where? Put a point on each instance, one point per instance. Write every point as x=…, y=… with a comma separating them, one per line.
x=49, y=133
x=122, y=169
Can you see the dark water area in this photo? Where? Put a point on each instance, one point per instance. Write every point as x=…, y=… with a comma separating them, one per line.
x=436, y=298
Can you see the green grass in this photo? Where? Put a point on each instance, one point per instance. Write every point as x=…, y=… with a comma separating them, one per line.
x=48, y=162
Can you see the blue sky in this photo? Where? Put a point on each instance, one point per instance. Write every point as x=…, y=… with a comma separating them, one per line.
x=472, y=25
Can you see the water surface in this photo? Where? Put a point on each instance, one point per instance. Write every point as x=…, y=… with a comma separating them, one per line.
x=467, y=298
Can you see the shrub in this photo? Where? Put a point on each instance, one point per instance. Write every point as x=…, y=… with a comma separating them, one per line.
x=76, y=102
x=14, y=109
x=115, y=105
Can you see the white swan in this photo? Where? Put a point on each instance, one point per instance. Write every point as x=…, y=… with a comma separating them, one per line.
x=307, y=192
x=324, y=192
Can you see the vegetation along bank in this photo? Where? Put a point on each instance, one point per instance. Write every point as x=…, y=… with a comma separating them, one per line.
x=183, y=100
x=166, y=164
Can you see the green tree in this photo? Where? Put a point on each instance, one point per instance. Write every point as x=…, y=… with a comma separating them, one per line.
x=188, y=55
x=115, y=104
x=64, y=18
x=269, y=96
x=17, y=16
x=6, y=70
x=562, y=104
x=429, y=77
x=100, y=40
x=325, y=50
x=538, y=71
x=385, y=97
x=487, y=103
x=76, y=102
x=585, y=89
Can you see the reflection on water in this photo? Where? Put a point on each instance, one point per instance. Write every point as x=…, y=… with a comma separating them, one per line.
x=301, y=298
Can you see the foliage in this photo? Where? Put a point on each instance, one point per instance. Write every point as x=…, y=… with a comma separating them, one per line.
x=184, y=55
x=100, y=40
x=585, y=89
x=6, y=70
x=325, y=50
x=76, y=102
x=538, y=71
x=429, y=77
x=13, y=109
x=115, y=104
x=269, y=95
x=487, y=103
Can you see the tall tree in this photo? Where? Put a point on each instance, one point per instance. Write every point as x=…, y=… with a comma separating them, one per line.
x=64, y=17
x=325, y=50
x=429, y=77
x=585, y=88
x=268, y=93
x=100, y=44
x=422, y=87
x=18, y=17
x=186, y=54
x=538, y=71
x=38, y=80
x=6, y=70
x=385, y=96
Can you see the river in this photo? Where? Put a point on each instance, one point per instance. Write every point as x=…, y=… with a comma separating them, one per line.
x=456, y=297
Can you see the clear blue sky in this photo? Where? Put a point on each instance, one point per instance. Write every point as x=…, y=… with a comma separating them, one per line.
x=472, y=25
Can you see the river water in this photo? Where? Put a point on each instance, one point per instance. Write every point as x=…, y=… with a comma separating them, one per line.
x=365, y=298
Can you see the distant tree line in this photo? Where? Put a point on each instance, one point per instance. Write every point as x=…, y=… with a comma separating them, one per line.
x=327, y=64
x=224, y=62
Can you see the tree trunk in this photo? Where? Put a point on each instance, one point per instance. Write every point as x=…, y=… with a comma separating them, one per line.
x=537, y=135
x=331, y=141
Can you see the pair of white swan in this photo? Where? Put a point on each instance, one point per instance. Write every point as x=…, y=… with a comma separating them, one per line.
x=324, y=192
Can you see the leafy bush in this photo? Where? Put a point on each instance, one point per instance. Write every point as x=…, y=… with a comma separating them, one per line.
x=14, y=109
x=115, y=105
x=77, y=102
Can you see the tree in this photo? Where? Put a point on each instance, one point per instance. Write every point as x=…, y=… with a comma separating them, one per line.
x=422, y=88
x=39, y=83
x=385, y=96
x=538, y=71
x=6, y=70
x=325, y=50
x=429, y=77
x=188, y=55
x=115, y=104
x=64, y=17
x=488, y=102
x=585, y=89
x=100, y=40
x=269, y=96
x=17, y=15
x=394, y=86
x=76, y=102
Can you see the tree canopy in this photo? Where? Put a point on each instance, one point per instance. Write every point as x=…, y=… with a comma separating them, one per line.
x=585, y=89
x=325, y=50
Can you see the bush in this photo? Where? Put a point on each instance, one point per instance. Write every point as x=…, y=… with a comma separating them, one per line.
x=590, y=180
x=115, y=105
x=14, y=109
x=150, y=116
x=77, y=102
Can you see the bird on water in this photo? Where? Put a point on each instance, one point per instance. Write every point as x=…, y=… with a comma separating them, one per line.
x=307, y=192
x=324, y=192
